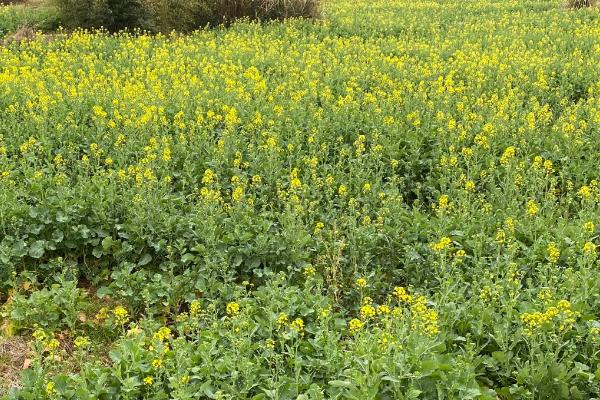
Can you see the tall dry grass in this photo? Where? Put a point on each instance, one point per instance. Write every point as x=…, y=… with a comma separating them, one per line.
x=267, y=9
x=581, y=3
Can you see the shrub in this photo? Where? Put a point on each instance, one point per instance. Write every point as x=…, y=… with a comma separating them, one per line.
x=113, y=15
x=180, y=15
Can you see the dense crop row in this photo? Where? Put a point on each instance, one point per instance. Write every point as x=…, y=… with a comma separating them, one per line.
x=448, y=148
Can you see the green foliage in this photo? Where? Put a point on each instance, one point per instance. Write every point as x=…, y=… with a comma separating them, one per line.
x=38, y=18
x=180, y=15
x=279, y=341
x=112, y=15
x=55, y=307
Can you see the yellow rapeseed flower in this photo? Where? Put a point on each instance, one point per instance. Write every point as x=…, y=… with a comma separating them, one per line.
x=297, y=325
x=355, y=325
x=532, y=208
x=50, y=388
x=121, y=315
x=553, y=253
x=589, y=248
x=232, y=308
x=361, y=283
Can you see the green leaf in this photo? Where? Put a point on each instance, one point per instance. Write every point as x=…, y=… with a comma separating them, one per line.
x=97, y=252
x=187, y=257
x=58, y=236
x=60, y=217
x=413, y=394
x=338, y=383
x=254, y=263
x=339, y=323
x=107, y=243
x=103, y=291
x=500, y=356
x=37, y=249
x=146, y=258
x=237, y=260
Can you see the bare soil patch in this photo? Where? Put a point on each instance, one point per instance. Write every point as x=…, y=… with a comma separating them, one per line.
x=14, y=357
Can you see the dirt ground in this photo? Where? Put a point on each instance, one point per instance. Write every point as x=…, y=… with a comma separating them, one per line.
x=13, y=358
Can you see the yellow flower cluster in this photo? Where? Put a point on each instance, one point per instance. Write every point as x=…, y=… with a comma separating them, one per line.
x=309, y=271
x=195, y=308
x=489, y=294
x=367, y=311
x=532, y=208
x=553, y=252
x=508, y=155
x=355, y=325
x=81, y=341
x=545, y=295
x=560, y=316
x=361, y=283
x=442, y=244
x=318, y=227
x=282, y=320
x=297, y=325
x=232, y=309
x=589, y=248
x=423, y=318
x=50, y=388
x=163, y=334
x=443, y=205
x=121, y=315
x=589, y=226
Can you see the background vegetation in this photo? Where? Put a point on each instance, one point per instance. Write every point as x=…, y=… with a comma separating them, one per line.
x=147, y=15
x=33, y=15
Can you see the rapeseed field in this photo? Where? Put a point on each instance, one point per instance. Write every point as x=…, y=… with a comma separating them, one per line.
x=397, y=201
